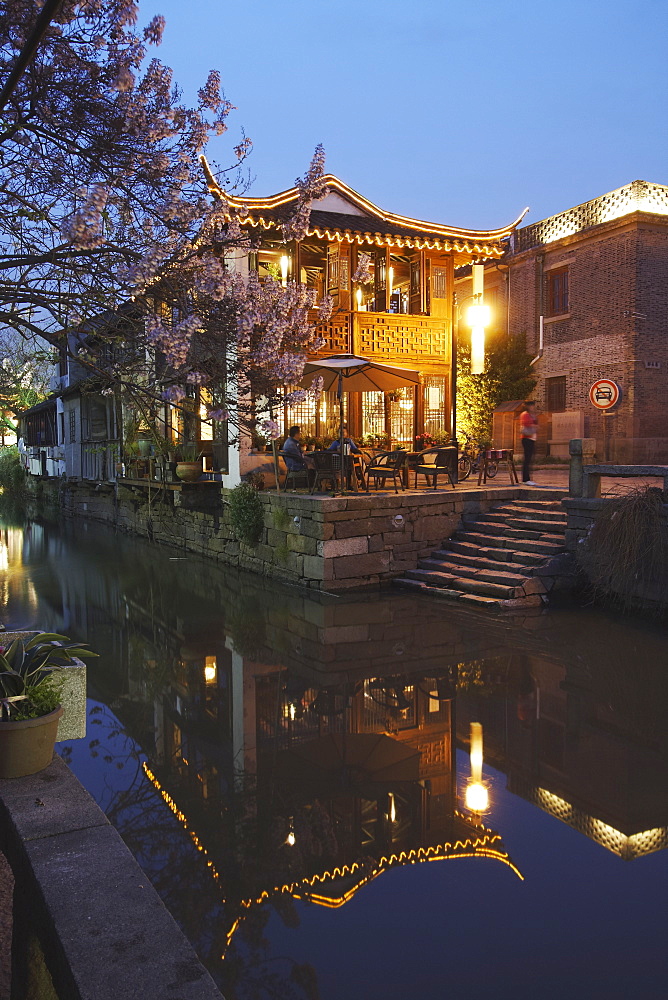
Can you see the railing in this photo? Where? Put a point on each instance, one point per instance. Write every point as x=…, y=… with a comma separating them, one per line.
x=386, y=335
x=640, y=196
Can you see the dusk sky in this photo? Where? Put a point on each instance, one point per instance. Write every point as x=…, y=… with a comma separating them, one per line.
x=456, y=113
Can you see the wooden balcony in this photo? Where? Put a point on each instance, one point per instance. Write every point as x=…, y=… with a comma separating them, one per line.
x=421, y=342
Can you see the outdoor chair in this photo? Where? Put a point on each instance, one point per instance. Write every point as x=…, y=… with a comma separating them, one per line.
x=327, y=465
x=387, y=465
x=296, y=477
x=444, y=463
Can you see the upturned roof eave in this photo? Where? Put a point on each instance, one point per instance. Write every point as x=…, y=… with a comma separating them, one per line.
x=276, y=201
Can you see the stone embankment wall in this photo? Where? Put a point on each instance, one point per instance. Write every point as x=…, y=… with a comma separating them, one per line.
x=326, y=543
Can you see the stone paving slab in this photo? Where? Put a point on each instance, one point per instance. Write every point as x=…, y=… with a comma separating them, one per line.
x=104, y=929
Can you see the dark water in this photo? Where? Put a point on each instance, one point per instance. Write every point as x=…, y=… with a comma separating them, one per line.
x=292, y=772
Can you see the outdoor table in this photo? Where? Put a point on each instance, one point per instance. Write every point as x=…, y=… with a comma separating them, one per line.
x=412, y=458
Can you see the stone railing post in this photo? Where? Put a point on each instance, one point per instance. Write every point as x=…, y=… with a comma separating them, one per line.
x=582, y=452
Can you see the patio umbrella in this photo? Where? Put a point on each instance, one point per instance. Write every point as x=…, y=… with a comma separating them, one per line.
x=359, y=375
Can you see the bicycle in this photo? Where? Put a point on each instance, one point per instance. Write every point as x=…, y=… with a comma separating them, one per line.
x=469, y=463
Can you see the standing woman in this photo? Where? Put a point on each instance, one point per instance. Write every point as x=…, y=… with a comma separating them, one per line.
x=529, y=433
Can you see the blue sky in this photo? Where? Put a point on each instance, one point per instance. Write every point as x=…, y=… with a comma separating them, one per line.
x=456, y=113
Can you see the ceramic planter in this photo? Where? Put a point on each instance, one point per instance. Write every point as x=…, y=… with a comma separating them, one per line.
x=188, y=472
x=27, y=746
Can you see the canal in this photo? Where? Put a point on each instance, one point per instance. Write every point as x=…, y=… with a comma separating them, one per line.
x=295, y=775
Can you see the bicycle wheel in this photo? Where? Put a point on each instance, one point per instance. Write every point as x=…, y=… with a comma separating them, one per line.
x=492, y=469
x=464, y=467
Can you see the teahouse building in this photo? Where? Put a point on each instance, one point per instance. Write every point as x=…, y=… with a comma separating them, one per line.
x=402, y=315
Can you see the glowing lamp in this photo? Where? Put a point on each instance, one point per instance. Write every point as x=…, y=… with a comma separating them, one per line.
x=391, y=280
x=358, y=296
x=291, y=838
x=476, y=797
x=285, y=264
x=478, y=316
x=209, y=674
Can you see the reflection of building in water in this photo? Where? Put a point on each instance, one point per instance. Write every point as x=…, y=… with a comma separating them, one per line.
x=342, y=781
x=586, y=745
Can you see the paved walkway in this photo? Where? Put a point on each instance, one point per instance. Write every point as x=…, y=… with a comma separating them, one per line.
x=6, y=890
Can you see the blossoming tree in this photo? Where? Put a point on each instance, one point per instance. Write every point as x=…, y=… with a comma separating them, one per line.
x=103, y=200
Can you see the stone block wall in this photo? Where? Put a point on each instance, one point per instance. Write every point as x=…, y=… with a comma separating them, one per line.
x=326, y=543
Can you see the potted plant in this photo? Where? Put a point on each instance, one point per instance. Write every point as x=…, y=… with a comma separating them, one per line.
x=30, y=700
x=188, y=463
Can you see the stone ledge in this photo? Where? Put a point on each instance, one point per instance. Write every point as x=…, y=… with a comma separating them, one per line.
x=103, y=929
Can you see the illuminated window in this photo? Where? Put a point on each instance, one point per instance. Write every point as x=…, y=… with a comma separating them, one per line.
x=557, y=292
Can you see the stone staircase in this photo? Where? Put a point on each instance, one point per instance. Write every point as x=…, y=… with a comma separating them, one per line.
x=500, y=559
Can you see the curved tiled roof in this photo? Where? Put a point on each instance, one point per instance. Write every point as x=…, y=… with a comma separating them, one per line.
x=373, y=226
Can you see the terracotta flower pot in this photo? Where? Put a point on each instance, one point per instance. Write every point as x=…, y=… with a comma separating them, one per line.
x=188, y=472
x=27, y=746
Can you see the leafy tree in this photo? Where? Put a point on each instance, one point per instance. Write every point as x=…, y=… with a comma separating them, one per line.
x=508, y=375
x=104, y=201
x=25, y=370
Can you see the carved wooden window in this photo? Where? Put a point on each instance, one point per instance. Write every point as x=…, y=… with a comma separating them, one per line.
x=439, y=282
x=344, y=272
x=415, y=277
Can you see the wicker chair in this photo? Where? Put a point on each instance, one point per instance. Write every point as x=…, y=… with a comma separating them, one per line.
x=296, y=477
x=387, y=465
x=443, y=464
x=327, y=465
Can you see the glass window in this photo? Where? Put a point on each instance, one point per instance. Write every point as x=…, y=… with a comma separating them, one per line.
x=557, y=292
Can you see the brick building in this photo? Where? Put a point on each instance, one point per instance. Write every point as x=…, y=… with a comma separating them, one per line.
x=589, y=288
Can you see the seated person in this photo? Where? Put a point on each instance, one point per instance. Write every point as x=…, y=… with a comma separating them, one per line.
x=293, y=457
x=348, y=444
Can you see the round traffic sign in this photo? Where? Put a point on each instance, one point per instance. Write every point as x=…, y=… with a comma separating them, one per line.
x=604, y=394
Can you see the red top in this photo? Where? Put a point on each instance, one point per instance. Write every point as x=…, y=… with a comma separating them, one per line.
x=528, y=425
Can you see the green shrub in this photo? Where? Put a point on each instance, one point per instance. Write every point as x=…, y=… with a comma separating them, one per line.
x=246, y=514
x=12, y=474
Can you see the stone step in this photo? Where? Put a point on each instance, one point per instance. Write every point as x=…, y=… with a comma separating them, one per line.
x=483, y=587
x=533, y=516
x=537, y=505
x=499, y=555
x=475, y=600
x=507, y=531
x=558, y=514
x=479, y=561
x=501, y=542
x=496, y=574
x=536, y=525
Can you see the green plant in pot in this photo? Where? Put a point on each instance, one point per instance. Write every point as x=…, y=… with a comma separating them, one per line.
x=188, y=463
x=30, y=700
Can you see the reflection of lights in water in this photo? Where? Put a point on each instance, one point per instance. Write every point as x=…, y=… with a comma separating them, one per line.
x=4, y=556
x=476, y=751
x=476, y=797
x=210, y=669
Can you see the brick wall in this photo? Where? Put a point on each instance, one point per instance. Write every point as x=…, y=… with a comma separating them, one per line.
x=617, y=322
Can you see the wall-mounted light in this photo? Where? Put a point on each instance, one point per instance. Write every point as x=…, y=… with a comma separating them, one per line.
x=358, y=297
x=478, y=318
x=210, y=669
x=285, y=264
